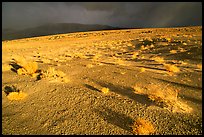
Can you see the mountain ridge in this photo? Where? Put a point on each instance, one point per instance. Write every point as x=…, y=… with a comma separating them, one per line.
x=53, y=28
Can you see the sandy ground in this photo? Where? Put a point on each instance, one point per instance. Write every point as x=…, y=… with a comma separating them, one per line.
x=117, y=60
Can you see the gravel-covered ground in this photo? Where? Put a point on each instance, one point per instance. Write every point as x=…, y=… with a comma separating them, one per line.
x=117, y=60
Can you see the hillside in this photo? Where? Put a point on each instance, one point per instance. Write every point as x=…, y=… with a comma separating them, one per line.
x=111, y=82
x=49, y=29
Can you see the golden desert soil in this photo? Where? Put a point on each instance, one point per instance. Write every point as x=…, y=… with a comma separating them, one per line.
x=101, y=82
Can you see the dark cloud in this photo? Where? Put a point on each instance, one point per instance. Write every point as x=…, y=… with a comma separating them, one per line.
x=99, y=6
x=122, y=14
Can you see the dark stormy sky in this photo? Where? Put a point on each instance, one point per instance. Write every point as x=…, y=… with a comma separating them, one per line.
x=20, y=15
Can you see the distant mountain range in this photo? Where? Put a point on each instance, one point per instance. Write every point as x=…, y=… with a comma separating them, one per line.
x=51, y=29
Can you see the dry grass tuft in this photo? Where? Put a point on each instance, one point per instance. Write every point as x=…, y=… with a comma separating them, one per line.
x=182, y=50
x=97, y=56
x=31, y=67
x=158, y=59
x=185, y=43
x=122, y=73
x=142, y=127
x=105, y=90
x=142, y=57
x=199, y=66
x=168, y=39
x=164, y=96
x=135, y=54
x=183, y=63
x=138, y=89
x=142, y=69
x=80, y=55
x=55, y=75
x=20, y=60
x=151, y=46
x=21, y=71
x=143, y=47
x=46, y=60
x=27, y=67
x=181, y=107
x=13, y=93
x=16, y=95
x=173, y=51
x=171, y=68
x=89, y=65
x=121, y=62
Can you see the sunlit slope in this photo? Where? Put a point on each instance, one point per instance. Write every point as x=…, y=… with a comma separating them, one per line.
x=134, y=81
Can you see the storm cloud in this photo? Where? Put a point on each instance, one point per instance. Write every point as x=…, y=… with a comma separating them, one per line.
x=18, y=15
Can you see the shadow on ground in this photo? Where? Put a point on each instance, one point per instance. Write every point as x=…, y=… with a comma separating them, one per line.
x=15, y=66
x=179, y=84
x=91, y=87
x=126, y=91
x=197, y=101
x=9, y=89
x=115, y=118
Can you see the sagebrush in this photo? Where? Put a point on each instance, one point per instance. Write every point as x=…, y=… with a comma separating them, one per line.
x=26, y=67
x=142, y=127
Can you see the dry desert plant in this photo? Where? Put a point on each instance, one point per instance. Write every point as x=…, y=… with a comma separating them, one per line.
x=142, y=69
x=143, y=47
x=21, y=71
x=16, y=95
x=46, y=60
x=122, y=73
x=89, y=65
x=26, y=67
x=31, y=67
x=183, y=63
x=13, y=93
x=164, y=96
x=173, y=51
x=21, y=61
x=80, y=55
x=120, y=62
x=182, y=50
x=135, y=54
x=138, y=89
x=151, y=46
x=105, y=90
x=130, y=44
x=142, y=57
x=97, y=56
x=54, y=75
x=185, y=43
x=199, y=66
x=168, y=39
x=158, y=59
x=142, y=127
x=171, y=68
